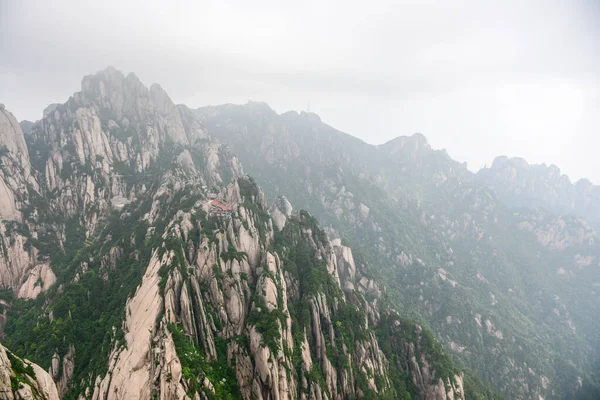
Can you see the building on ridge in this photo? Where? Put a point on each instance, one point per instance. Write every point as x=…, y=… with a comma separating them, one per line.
x=219, y=209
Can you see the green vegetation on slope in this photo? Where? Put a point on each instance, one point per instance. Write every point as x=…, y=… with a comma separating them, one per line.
x=81, y=313
x=195, y=367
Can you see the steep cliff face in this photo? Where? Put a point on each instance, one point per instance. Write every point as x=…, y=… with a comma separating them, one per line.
x=21, y=379
x=151, y=267
x=19, y=269
x=16, y=168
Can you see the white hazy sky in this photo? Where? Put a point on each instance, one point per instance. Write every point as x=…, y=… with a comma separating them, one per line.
x=479, y=78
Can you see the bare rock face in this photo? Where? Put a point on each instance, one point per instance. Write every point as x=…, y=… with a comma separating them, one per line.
x=16, y=258
x=21, y=379
x=280, y=211
x=39, y=280
x=62, y=373
x=345, y=264
x=130, y=367
x=16, y=186
x=16, y=167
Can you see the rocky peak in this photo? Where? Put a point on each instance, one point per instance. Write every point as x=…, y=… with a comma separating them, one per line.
x=417, y=144
x=110, y=89
x=505, y=161
x=116, y=96
x=15, y=168
x=17, y=187
x=49, y=109
x=12, y=140
x=85, y=158
x=519, y=168
x=259, y=107
x=161, y=99
x=519, y=183
x=311, y=116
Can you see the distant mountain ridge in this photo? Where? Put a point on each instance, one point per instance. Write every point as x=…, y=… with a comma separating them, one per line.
x=452, y=252
x=519, y=183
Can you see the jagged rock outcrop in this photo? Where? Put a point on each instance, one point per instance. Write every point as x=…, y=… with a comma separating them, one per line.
x=106, y=134
x=280, y=211
x=61, y=370
x=17, y=185
x=41, y=278
x=16, y=168
x=21, y=379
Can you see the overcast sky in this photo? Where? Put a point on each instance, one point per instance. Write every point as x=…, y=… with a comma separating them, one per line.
x=478, y=78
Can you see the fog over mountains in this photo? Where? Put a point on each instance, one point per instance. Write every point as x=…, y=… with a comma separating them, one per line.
x=480, y=79
x=151, y=250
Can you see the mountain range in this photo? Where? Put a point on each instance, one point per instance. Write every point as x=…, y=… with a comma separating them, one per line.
x=151, y=250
